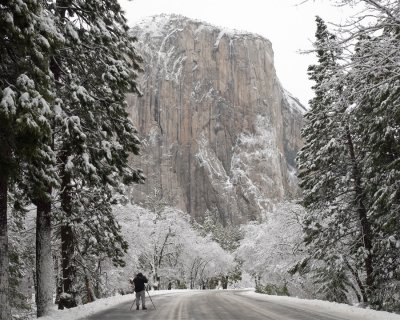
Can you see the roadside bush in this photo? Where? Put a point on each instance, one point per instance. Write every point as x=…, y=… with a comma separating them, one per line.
x=273, y=289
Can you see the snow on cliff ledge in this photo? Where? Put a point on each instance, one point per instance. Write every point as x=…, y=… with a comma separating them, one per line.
x=158, y=24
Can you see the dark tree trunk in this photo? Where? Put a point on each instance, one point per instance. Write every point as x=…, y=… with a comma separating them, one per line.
x=225, y=282
x=5, y=311
x=67, y=238
x=67, y=253
x=360, y=285
x=44, y=258
x=67, y=235
x=362, y=216
x=58, y=282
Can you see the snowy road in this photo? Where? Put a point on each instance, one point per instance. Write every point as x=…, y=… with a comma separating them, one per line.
x=222, y=305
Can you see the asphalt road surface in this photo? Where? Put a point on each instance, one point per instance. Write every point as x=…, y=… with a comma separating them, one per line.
x=212, y=305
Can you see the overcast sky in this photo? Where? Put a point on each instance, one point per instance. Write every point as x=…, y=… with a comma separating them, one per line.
x=290, y=27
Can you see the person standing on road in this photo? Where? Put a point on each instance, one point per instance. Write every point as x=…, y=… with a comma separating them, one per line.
x=140, y=289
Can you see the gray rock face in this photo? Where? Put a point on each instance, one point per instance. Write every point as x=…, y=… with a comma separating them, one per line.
x=219, y=132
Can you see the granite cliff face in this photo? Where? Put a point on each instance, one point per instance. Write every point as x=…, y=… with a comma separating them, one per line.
x=220, y=133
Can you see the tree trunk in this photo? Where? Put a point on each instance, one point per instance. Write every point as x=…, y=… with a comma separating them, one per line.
x=5, y=311
x=90, y=296
x=225, y=280
x=362, y=297
x=44, y=258
x=59, y=289
x=67, y=236
x=67, y=253
x=257, y=280
x=362, y=215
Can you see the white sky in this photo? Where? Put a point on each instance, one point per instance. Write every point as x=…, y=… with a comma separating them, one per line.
x=289, y=26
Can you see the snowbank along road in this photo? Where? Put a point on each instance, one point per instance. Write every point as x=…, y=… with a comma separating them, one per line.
x=223, y=305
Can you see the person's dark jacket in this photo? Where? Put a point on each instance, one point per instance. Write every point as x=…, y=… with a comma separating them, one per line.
x=139, y=282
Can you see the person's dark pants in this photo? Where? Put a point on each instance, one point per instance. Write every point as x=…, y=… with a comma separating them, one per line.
x=141, y=295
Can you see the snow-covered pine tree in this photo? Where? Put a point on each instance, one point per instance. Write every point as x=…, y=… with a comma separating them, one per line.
x=326, y=177
x=21, y=250
x=26, y=41
x=97, y=239
x=375, y=90
x=37, y=179
x=96, y=68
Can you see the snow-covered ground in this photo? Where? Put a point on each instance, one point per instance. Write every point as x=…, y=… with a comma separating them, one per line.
x=339, y=309
x=83, y=311
x=343, y=310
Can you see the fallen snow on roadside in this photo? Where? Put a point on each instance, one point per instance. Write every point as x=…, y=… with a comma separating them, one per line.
x=83, y=311
x=338, y=309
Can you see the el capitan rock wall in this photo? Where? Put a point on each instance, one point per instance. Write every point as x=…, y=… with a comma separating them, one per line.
x=220, y=134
